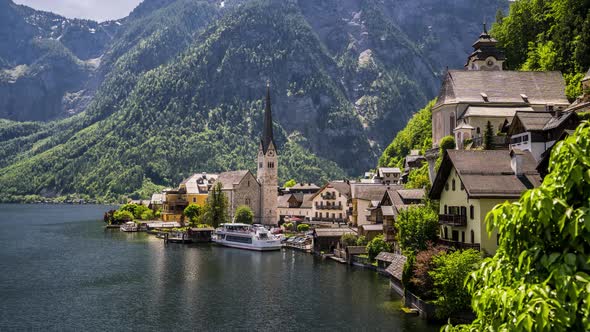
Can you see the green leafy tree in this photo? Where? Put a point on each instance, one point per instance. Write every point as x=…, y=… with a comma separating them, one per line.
x=361, y=241
x=302, y=228
x=193, y=213
x=348, y=239
x=448, y=276
x=290, y=183
x=244, y=215
x=377, y=245
x=147, y=215
x=215, y=209
x=416, y=227
x=418, y=178
x=123, y=216
x=447, y=143
x=539, y=278
x=488, y=137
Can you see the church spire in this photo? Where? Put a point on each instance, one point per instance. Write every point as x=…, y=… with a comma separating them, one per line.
x=267, y=136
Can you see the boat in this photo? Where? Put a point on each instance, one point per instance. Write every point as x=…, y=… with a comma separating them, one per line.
x=129, y=226
x=244, y=236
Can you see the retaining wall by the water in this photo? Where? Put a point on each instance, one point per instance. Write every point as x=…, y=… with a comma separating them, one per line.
x=426, y=310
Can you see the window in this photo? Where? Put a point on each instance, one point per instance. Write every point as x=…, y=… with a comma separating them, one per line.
x=463, y=237
x=446, y=209
x=316, y=214
x=247, y=201
x=248, y=183
x=194, y=199
x=452, y=121
x=453, y=184
x=478, y=130
x=340, y=215
x=446, y=232
x=471, y=212
x=472, y=237
x=260, y=165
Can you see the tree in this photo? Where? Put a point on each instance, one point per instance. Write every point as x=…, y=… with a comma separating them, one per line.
x=421, y=282
x=416, y=226
x=419, y=178
x=447, y=143
x=193, y=212
x=348, y=239
x=302, y=228
x=539, y=278
x=448, y=276
x=361, y=241
x=290, y=183
x=377, y=245
x=488, y=136
x=147, y=215
x=123, y=216
x=215, y=209
x=244, y=215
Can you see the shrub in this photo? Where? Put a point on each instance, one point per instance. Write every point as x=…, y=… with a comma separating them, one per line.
x=361, y=241
x=288, y=226
x=147, y=215
x=193, y=212
x=348, y=239
x=447, y=143
x=421, y=281
x=303, y=228
x=244, y=215
x=377, y=245
x=123, y=216
x=290, y=183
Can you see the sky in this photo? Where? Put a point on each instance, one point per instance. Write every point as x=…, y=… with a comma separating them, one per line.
x=97, y=10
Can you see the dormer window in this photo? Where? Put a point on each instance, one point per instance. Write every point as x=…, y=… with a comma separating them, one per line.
x=484, y=96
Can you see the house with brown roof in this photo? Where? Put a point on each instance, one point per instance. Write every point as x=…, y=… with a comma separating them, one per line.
x=295, y=207
x=538, y=131
x=392, y=203
x=468, y=185
x=484, y=92
x=362, y=197
x=331, y=203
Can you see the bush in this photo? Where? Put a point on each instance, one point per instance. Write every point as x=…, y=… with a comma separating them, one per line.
x=147, y=215
x=193, y=212
x=288, y=226
x=348, y=239
x=361, y=241
x=448, y=276
x=416, y=226
x=447, y=143
x=421, y=281
x=303, y=228
x=244, y=215
x=123, y=216
x=377, y=245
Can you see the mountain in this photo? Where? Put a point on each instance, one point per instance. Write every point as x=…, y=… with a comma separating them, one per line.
x=178, y=87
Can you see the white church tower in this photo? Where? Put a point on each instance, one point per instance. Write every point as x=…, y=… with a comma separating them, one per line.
x=267, y=169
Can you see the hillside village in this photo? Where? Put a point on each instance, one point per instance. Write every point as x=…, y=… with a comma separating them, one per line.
x=492, y=132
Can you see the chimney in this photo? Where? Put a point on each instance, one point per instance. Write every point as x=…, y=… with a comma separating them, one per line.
x=516, y=161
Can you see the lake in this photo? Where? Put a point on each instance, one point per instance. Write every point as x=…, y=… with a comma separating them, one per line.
x=61, y=270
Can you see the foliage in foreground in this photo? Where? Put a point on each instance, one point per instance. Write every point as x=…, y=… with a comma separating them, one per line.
x=539, y=278
x=377, y=245
x=215, y=209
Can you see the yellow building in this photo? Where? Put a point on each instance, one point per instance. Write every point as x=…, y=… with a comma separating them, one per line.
x=193, y=190
x=469, y=184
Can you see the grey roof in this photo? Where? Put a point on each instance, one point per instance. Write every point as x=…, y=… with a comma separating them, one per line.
x=283, y=200
x=487, y=173
x=370, y=192
x=356, y=250
x=387, y=210
x=498, y=111
x=267, y=135
x=532, y=121
x=332, y=232
x=228, y=179
x=305, y=186
x=396, y=268
x=157, y=198
x=199, y=183
x=372, y=227
x=307, y=201
x=411, y=193
x=385, y=256
x=502, y=86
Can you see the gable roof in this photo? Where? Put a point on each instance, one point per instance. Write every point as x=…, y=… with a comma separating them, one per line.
x=229, y=179
x=487, y=173
x=304, y=186
x=199, y=183
x=342, y=187
x=411, y=194
x=540, y=121
x=396, y=268
x=385, y=256
x=502, y=86
x=371, y=192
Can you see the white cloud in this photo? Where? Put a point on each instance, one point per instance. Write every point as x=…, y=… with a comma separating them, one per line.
x=98, y=10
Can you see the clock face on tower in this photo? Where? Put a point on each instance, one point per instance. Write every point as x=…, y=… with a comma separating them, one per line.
x=270, y=153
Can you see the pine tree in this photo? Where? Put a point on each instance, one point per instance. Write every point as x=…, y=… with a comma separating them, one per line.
x=488, y=138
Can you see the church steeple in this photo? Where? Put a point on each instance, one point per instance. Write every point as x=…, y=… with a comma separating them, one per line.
x=267, y=135
x=485, y=56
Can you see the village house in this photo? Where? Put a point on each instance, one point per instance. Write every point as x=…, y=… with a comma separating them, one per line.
x=537, y=132
x=330, y=204
x=483, y=93
x=303, y=188
x=389, y=175
x=326, y=240
x=469, y=184
x=412, y=161
x=192, y=190
x=390, y=205
x=364, y=196
x=295, y=207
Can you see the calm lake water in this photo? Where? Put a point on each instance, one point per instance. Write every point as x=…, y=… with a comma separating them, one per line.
x=60, y=270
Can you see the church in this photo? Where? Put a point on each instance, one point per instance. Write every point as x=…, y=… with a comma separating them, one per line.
x=259, y=192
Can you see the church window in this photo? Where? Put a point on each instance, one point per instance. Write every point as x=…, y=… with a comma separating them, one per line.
x=248, y=183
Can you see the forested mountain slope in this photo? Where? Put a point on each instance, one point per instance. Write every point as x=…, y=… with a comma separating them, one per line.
x=179, y=87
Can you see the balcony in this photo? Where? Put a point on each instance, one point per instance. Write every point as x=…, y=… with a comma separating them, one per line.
x=326, y=219
x=328, y=207
x=329, y=196
x=452, y=220
x=458, y=245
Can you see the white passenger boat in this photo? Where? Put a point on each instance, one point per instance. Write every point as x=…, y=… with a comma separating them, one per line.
x=129, y=227
x=244, y=236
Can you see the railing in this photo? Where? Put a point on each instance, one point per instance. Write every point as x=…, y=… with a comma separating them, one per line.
x=328, y=196
x=458, y=245
x=339, y=220
x=328, y=207
x=452, y=220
